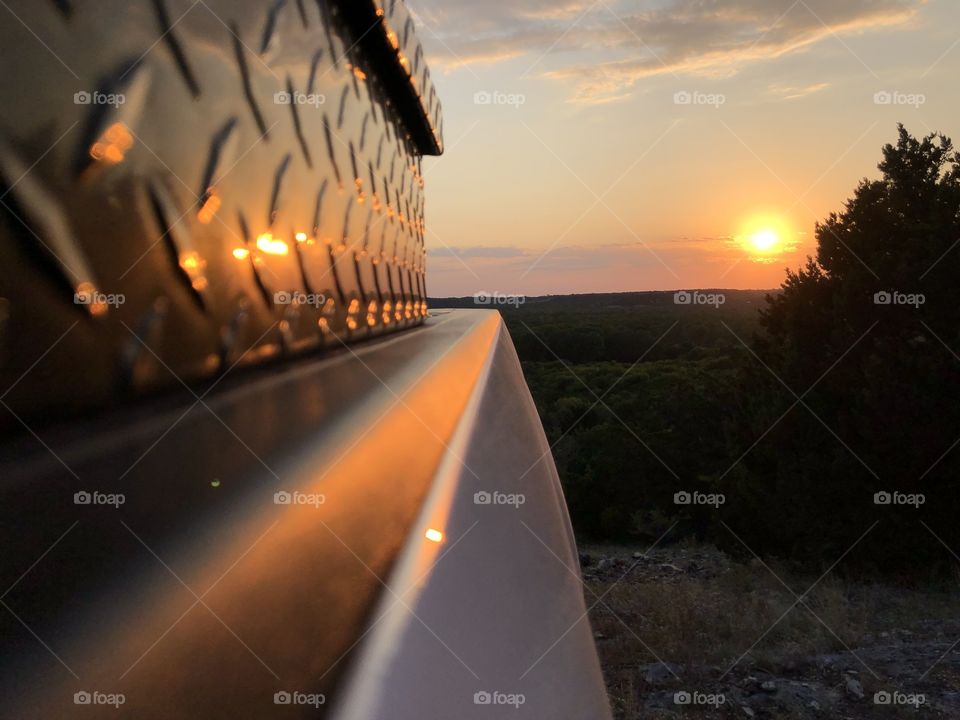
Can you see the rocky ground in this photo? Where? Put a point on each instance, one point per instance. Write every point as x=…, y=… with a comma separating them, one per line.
x=685, y=631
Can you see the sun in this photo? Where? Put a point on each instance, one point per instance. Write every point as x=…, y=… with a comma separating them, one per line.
x=765, y=240
x=764, y=237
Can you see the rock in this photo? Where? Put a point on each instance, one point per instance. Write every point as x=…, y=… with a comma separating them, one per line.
x=599, y=636
x=637, y=555
x=585, y=560
x=748, y=711
x=768, y=686
x=854, y=688
x=660, y=673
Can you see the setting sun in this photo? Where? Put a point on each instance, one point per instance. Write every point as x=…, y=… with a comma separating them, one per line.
x=764, y=237
x=765, y=240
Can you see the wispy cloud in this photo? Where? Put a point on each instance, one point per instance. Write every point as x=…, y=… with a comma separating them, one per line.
x=787, y=92
x=604, y=48
x=697, y=262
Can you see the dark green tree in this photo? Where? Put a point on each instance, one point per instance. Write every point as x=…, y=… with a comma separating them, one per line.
x=864, y=343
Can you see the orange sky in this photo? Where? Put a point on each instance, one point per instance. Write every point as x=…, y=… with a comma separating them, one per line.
x=609, y=146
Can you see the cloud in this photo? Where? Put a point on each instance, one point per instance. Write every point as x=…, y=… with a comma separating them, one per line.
x=602, y=49
x=658, y=263
x=784, y=92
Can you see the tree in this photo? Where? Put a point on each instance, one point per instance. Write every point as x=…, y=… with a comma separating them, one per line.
x=867, y=336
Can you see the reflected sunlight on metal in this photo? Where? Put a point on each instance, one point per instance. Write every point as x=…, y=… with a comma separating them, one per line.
x=433, y=535
x=272, y=246
x=112, y=146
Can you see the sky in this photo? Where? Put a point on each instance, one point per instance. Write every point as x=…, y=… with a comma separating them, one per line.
x=606, y=145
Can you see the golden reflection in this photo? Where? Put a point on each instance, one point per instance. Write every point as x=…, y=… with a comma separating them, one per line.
x=433, y=535
x=210, y=206
x=193, y=265
x=271, y=245
x=191, y=262
x=241, y=253
x=112, y=146
x=87, y=294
